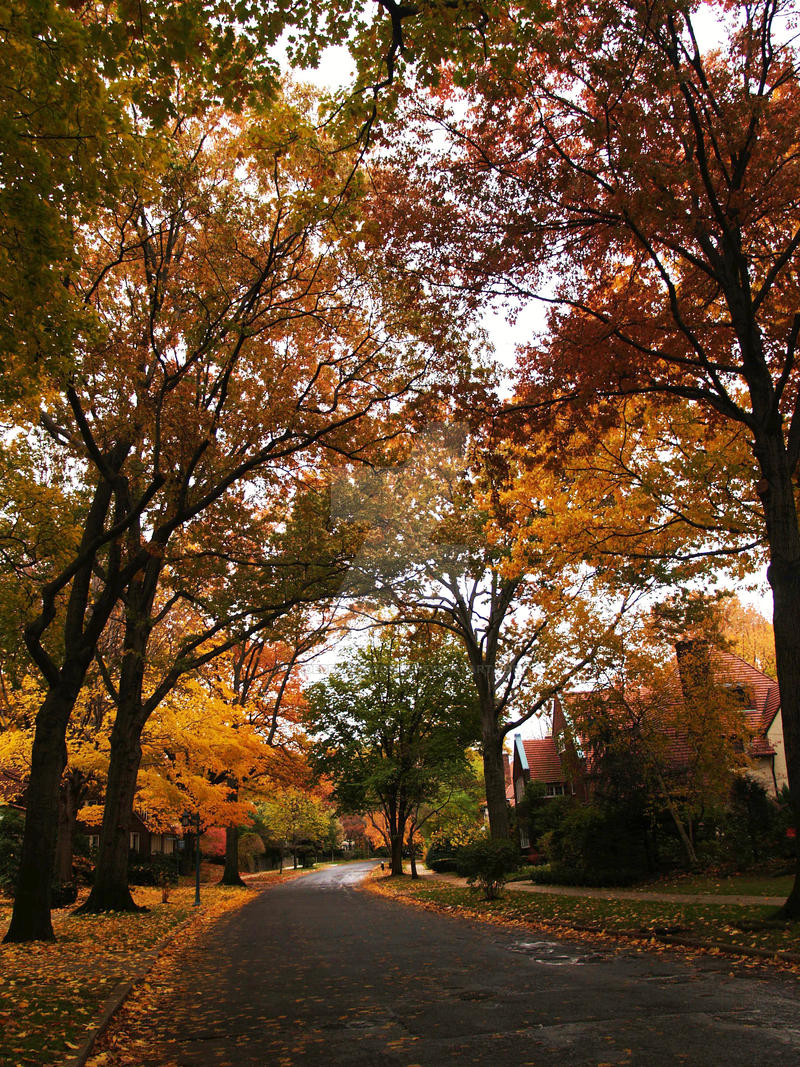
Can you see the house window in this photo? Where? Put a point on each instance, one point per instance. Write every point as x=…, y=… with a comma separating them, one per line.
x=524, y=839
x=741, y=695
x=135, y=840
x=169, y=844
x=556, y=789
x=94, y=842
x=156, y=845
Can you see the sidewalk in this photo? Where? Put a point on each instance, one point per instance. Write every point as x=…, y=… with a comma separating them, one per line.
x=616, y=894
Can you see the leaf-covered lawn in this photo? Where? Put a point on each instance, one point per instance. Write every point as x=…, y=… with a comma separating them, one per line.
x=733, y=925
x=51, y=994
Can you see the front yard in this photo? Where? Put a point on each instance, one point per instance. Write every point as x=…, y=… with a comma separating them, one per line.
x=52, y=994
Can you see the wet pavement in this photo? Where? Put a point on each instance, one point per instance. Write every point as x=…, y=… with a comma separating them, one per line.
x=317, y=972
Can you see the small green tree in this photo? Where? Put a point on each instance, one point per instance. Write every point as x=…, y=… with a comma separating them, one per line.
x=391, y=728
x=334, y=835
x=541, y=814
x=291, y=820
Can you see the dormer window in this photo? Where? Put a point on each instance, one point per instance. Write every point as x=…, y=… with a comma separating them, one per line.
x=741, y=695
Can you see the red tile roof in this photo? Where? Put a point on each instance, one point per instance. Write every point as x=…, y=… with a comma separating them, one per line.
x=762, y=704
x=761, y=695
x=543, y=759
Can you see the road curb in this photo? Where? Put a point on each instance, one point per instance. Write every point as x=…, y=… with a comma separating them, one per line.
x=114, y=1002
x=126, y=986
x=645, y=936
x=752, y=952
x=123, y=990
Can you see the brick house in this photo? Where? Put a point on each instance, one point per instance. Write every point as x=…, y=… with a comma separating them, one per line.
x=559, y=762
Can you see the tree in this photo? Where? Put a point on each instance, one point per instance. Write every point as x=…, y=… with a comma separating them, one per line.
x=660, y=735
x=192, y=744
x=159, y=65
x=87, y=85
x=265, y=672
x=391, y=728
x=199, y=380
x=656, y=179
x=292, y=818
x=749, y=635
x=529, y=610
x=301, y=564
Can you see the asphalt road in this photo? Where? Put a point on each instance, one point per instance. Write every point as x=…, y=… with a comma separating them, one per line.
x=317, y=972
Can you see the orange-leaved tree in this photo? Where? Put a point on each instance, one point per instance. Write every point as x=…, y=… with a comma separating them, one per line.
x=528, y=606
x=642, y=182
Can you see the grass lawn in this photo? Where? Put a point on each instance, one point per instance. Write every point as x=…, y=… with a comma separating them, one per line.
x=746, y=885
x=51, y=994
x=733, y=925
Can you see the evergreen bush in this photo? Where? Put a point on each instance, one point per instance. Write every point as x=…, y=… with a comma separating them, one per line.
x=599, y=844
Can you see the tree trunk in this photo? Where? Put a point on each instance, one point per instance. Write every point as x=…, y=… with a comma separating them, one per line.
x=686, y=840
x=110, y=891
x=67, y=814
x=412, y=854
x=786, y=621
x=777, y=496
x=30, y=919
x=396, y=841
x=231, y=876
x=495, y=777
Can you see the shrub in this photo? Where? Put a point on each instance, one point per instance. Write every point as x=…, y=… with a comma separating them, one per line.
x=159, y=870
x=749, y=829
x=599, y=844
x=82, y=870
x=444, y=847
x=486, y=864
x=11, y=828
x=540, y=814
x=213, y=844
x=442, y=859
x=62, y=894
x=542, y=874
x=12, y=824
x=250, y=848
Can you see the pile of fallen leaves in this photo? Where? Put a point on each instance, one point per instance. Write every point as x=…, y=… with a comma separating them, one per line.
x=53, y=993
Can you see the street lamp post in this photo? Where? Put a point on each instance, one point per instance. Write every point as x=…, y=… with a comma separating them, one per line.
x=197, y=861
x=186, y=822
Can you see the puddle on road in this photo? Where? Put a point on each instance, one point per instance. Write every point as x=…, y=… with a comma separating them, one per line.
x=549, y=952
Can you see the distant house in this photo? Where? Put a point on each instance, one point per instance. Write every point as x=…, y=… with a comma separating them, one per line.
x=759, y=698
x=559, y=763
x=145, y=842
x=142, y=840
x=546, y=760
